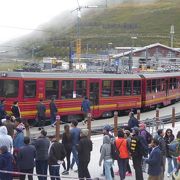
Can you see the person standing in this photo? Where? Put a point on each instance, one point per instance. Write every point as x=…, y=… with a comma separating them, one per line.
x=53, y=111
x=57, y=154
x=169, y=137
x=138, y=149
x=6, y=160
x=41, y=114
x=9, y=125
x=42, y=146
x=133, y=122
x=25, y=159
x=84, y=153
x=106, y=157
x=163, y=148
x=5, y=139
x=85, y=108
x=122, y=147
x=16, y=110
x=67, y=142
x=2, y=109
x=154, y=161
x=75, y=134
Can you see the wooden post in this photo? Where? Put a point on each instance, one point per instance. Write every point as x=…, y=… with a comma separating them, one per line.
x=157, y=118
x=115, y=123
x=138, y=114
x=58, y=127
x=89, y=124
x=173, y=117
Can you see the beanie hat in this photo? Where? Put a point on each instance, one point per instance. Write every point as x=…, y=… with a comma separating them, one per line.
x=84, y=132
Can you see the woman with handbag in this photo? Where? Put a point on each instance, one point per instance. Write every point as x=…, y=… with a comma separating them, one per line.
x=122, y=146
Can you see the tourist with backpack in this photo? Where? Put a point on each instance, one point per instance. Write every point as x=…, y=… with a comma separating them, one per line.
x=138, y=149
x=169, y=137
x=122, y=147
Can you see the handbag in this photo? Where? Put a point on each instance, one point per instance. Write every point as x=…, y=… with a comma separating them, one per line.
x=115, y=153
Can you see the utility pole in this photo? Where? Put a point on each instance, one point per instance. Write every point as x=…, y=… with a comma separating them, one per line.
x=172, y=35
x=78, y=40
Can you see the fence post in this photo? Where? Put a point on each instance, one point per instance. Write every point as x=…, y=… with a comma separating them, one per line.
x=58, y=127
x=115, y=123
x=157, y=118
x=89, y=124
x=138, y=114
x=173, y=117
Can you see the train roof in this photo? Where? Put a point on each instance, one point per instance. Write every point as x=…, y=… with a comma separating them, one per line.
x=161, y=75
x=68, y=75
x=83, y=75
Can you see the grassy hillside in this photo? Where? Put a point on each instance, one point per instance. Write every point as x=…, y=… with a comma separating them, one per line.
x=149, y=22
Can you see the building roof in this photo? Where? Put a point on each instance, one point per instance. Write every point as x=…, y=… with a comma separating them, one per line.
x=134, y=50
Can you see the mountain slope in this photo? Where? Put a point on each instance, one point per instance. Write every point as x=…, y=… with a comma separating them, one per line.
x=149, y=22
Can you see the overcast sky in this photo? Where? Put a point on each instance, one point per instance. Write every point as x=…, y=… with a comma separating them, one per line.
x=29, y=14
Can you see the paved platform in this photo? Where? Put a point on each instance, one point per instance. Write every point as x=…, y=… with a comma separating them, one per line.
x=94, y=168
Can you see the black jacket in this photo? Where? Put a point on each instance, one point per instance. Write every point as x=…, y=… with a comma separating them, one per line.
x=84, y=149
x=26, y=157
x=57, y=152
x=42, y=146
x=67, y=142
x=15, y=111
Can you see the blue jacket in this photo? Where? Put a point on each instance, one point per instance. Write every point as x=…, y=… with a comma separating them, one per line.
x=85, y=107
x=155, y=162
x=18, y=140
x=6, y=164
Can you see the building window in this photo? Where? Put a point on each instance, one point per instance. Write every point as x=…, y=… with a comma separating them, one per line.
x=52, y=89
x=106, y=88
x=67, y=89
x=127, y=88
x=81, y=88
x=117, y=86
x=158, y=84
x=9, y=88
x=136, y=87
x=29, y=89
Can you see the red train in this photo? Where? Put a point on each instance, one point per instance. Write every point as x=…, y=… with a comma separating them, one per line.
x=107, y=92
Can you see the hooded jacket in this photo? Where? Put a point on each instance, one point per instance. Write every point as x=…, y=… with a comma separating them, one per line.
x=5, y=139
x=105, y=149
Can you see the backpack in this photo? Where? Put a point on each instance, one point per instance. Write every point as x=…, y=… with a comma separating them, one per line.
x=174, y=148
x=138, y=146
x=148, y=137
x=114, y=152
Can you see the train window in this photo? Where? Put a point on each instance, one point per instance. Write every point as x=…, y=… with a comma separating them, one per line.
x=158, y=85
x=106, y=88
x=67, y=89
x=29, y=89
x=173, y=83
x=137, y=87
x=154, y=88
x=81, y=88
x=52, y=89
x=148, y=86
x=127, y=88
x=9, y=88
x=117, y=88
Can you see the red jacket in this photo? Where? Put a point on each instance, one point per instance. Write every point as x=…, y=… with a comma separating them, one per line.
x=121, y=145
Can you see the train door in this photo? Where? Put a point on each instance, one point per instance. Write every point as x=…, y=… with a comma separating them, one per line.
x=94, y=97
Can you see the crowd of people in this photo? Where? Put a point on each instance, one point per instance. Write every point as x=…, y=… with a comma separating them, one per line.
x=149, y=153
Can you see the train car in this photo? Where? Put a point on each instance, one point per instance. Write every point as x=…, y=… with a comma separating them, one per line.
x=106, y=92
x=160, y=89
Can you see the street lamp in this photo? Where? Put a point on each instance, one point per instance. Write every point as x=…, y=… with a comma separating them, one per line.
x=133, y=38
